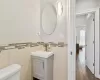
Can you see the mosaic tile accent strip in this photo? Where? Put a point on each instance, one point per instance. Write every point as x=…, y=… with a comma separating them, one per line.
x=31, y=44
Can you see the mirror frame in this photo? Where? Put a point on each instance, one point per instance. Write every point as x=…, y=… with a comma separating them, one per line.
x=54, y=8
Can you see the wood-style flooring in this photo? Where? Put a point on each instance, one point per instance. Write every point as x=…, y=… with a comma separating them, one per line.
x=82, y=72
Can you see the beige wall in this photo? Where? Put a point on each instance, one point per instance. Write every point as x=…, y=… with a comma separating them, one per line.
x=60, y=54
x=19, y=22
x=60, y=63
x=21, y=57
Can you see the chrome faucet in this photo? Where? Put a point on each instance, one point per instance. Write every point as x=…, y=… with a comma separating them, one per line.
x=47, y=47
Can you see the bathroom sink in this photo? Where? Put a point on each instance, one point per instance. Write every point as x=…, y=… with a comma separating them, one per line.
x=42, y=54
x=42, y=62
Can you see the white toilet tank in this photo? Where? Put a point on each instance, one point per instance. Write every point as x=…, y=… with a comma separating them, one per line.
x=11, y=72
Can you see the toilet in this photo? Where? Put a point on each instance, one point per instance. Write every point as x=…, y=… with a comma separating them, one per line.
x=11, y=72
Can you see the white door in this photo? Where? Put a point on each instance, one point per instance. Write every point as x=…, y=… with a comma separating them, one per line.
x=71, y=38
x=90, y=43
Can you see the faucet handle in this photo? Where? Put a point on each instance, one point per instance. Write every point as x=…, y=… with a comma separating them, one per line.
x=47, y=46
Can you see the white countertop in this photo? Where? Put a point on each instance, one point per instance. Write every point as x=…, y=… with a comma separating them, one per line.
x=42, y=54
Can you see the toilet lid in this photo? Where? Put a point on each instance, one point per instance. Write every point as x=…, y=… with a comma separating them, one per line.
x=9, y=71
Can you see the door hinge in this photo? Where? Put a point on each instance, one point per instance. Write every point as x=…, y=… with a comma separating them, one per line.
x=93, y=19
x=43, y=65
x=93, y=42
x=71, y=53
x=93, y=64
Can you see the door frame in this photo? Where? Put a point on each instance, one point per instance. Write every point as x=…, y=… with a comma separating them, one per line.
x=72, y=42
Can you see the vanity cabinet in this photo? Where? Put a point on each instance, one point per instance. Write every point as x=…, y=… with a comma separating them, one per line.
x=42, y=65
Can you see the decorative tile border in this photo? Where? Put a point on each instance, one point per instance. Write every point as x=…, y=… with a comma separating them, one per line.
x=31, y=44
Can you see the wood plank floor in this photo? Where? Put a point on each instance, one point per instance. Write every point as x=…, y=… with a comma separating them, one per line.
x=82, y=72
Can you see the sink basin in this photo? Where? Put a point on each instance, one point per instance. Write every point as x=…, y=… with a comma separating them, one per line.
x=42, y=54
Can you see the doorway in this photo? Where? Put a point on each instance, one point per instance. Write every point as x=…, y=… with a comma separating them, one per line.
x=82, y=10
x=85, y=47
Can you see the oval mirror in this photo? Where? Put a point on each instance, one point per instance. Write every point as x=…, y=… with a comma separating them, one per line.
x=49, y=19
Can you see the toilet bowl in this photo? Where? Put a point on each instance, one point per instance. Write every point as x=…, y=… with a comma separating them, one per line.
x=11, y=72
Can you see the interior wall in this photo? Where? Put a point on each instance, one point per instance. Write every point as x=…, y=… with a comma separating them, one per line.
x=21, y=57
x=83, y=5
x=80, y=25
x=59, y=35
x=78, y=29
x=60, y=30
x=20, y=22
